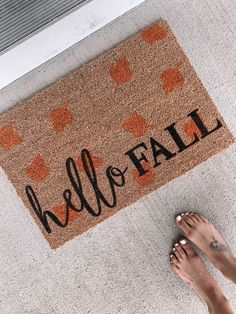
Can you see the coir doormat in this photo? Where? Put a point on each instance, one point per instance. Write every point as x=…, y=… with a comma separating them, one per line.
x=109, y=133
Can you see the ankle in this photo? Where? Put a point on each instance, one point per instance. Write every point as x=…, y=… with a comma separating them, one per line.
x=213, y=291
x=209, y=290
x=226, y=264
x=223, y=260
x=218, y=303
x=216, y=298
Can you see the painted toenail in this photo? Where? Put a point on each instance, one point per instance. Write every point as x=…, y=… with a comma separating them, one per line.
x=191, y=214
x=186, y=213
x=178, y=218
x=176, y=244
x=183, y=241
x=182, y=214
x=173, y=249
x=171, y=255
x=171, y=262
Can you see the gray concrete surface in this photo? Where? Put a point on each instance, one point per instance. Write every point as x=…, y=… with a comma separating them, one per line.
x=121, y=265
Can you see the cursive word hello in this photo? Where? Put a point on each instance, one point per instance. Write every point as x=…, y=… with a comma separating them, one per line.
x=115, y=176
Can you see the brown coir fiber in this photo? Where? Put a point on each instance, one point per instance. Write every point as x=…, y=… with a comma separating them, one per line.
x=109, y=133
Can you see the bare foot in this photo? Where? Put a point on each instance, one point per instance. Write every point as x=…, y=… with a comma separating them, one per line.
x=188, y=266
x=203, y=234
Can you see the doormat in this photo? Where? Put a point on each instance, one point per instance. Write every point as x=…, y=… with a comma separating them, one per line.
x=109, y=133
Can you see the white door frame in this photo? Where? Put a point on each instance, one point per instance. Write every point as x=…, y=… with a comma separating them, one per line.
x=59, y=36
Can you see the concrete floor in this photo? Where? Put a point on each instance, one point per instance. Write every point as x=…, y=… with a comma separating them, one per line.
x=121, y=265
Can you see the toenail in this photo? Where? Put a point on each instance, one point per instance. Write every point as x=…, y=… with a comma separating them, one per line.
x=183, y=241
x=171, y=255
x=178, y=218
x=176, y=244
x=186, y=213
x=182, y=214
x=171, y=262
x=173, y=249
x=191, y=214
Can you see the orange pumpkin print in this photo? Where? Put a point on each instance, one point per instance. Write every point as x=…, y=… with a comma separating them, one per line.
x=97, y=162
x=120, y=71
x=38, y=169
x=190, y=128
x=171, y=79
x=136, y=125
x=61, y=118
x=153, y=34
x=9, y=137
x=145, y=179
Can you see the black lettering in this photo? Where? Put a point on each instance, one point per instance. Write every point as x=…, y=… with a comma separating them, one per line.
x=115, y=176
x=42, y=215
x=137, y=161
x=201, y=126
x=160, y=151
x=176, y=137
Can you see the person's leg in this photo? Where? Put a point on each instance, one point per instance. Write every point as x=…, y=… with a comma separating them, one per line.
x=188, y=266
x=203, y=234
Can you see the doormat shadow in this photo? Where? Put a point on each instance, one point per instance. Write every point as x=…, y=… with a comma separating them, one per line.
x=109, y=133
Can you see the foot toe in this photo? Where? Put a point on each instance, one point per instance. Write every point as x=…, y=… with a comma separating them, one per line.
x=202, y=218
x=197, y=218
x=182, y=224
x=180, y=250
x=174, y=259
x=193, y=217
x=190, y=220
x=177, y=254
x=187, y=247
x=175, y=267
